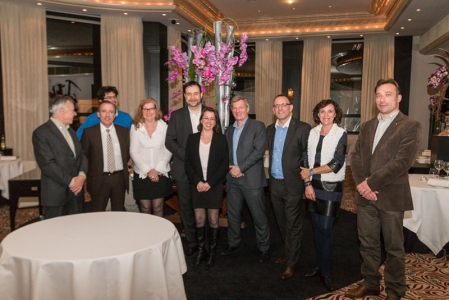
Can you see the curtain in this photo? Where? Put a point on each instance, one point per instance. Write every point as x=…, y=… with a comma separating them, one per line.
x=316, y=75
x=378, y=62
x=122, y=59
x=25, y=76
x=268, y=69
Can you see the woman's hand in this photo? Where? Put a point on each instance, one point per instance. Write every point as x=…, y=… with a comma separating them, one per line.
x=153, y=175
x=310, y=193
x=305, y=174
x=202, y=187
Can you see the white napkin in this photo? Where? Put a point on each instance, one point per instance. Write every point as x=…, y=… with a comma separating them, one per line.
x=438, y=182
x=9, y=157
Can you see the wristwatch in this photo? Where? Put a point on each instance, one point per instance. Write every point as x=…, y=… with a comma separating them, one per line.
x=311, y=172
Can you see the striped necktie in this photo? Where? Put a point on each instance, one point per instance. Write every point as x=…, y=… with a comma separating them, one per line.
x=111, y=158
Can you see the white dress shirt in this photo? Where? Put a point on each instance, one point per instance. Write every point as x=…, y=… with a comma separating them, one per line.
x=116, y=144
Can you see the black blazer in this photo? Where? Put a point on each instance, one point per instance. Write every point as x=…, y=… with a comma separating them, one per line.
x=57, y=163
x=179, y=128
x=218, y=163
x=92, y=146
x=295, y=145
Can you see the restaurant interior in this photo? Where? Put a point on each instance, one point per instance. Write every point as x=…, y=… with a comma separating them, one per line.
x=307, y=50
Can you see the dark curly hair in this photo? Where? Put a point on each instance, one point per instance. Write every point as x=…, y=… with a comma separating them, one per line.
x=324, y=103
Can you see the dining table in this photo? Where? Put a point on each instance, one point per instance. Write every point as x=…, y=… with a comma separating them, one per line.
x=10, y=167
x=429, y=218
x=102, y=255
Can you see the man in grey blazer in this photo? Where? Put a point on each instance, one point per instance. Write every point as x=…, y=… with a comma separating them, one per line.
x=183, y=122
x=61, y=160
x=287, y=140
x=246, y=178
x=105, y=181
x=385, y=150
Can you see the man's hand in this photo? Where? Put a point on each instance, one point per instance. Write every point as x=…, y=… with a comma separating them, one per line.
x=78, y=182
x=235, y=172
x=366, y=192
x=305, y=174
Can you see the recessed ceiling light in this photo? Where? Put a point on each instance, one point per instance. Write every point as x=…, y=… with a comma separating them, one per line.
x=39, y=3
x=397, y=33
x=258, y=11
x=402, y=27
x=290, y=1
x=409, y=20
x=73, y=22
x=297, y=38
x=328, y=36
x=294, y=8
x=125, y=14
x=84, y=9
x=189, y=30
x=266, y=39
x=361, y=35
x=330, y=6
x=164, y=15
x=418, y=9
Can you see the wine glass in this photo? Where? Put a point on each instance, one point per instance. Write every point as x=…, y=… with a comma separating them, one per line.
x=433, y=173
x=446, y=168
x=438, y=164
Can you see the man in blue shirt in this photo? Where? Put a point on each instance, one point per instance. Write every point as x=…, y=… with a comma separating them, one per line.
x=110, y=94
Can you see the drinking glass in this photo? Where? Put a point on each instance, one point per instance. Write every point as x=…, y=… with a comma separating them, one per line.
x=433, y=173
x=446, y=168
x=438, y=164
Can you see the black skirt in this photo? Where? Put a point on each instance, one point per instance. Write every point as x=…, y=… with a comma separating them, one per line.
x=145, y=189
x=213, y=198
x=324, y=207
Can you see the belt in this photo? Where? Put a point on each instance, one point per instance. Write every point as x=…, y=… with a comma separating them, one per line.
x=280, y=180
x=112, y=173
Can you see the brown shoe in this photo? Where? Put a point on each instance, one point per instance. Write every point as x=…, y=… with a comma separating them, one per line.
x=360, y=292
x=280, y=261
x=288, y=273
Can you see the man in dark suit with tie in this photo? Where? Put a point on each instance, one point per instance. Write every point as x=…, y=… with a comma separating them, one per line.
x=183, y=122
x=287, y=140
x=61, y=160
x=385, y=149
x=246, y=178
x=107, y=149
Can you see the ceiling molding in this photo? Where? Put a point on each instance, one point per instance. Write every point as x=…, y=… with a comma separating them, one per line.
x=396, y=10
x=435, y=36
x=378, y=7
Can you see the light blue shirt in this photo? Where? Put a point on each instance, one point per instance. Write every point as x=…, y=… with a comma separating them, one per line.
x=122, y=119
x=278, y=148
x=235, y=140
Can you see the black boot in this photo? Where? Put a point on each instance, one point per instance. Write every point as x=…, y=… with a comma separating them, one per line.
x=213, y=241
x=201, y=240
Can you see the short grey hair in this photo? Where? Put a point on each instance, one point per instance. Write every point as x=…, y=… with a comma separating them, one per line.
x=57, y=102
x=238, y=98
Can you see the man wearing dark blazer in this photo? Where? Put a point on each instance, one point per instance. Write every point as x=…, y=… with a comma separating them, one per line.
x=246, y=178
x=287, y=140
x=61, y=160
x=183, y=122
x=385, y=149
x=104, y=180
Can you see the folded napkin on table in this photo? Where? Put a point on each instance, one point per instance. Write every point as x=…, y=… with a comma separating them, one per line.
x=8, y=157
x=438, y=182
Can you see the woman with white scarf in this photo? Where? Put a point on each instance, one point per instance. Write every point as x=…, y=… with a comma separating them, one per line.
x=324, y=181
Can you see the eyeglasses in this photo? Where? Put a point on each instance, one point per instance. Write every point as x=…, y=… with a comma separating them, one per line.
x=283, y=105
x=148, y=109
x=209, y=119
x=110, y=97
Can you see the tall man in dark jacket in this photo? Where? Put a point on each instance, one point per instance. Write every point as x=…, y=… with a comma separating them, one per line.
x=385, y=150
x=183, y=122
x=246, y=178
x=287, y=140
x=61, y=160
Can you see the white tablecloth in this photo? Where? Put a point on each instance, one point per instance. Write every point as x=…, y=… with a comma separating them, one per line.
x=430, y=217
x=9, y=169
x=105, y=255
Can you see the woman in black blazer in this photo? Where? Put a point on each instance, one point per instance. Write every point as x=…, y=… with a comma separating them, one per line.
x=206, y=165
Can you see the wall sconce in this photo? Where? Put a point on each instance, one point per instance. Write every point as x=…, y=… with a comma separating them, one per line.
x=290, y=94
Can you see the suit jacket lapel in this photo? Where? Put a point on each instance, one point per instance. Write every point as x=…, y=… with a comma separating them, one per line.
x=58, y=135
x=389, y=132
x=289, y=136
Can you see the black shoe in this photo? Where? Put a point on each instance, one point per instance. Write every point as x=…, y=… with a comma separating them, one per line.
x=264, y=256
x=190, y=251
x=314, y=272
x=328, y=283
x=229, y=250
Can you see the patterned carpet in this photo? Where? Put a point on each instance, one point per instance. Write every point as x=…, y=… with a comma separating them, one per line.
x=427, y=276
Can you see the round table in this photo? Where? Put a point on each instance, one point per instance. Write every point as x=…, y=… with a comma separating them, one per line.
x=104, y=255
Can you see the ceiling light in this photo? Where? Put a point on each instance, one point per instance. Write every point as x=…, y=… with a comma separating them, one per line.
x=418, y=9
x=39, y=3
x=297, y=38
x=125, y=14
x=72, y=22
x=397, y=33
x=290, y=1
x=294, y=8
x=164, y=15
x=330, y=6
x=361, y=35
x=409, y=20
x=328, y=36
x=266, y=39
x=189, y=30
x=258, y=11
x=402, y=27
x=84, y=9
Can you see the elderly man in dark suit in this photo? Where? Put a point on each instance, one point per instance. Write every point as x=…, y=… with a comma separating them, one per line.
x=246, y=178
x=183, y=122
x=287, y=140
x=61, y=160
x=385, y=150
x=107, y=149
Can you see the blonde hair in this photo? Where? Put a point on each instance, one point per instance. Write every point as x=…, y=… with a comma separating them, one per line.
x=138, y=118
